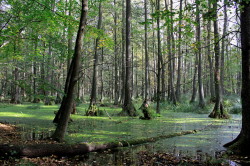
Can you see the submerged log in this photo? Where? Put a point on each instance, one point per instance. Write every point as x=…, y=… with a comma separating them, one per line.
x=41, y=150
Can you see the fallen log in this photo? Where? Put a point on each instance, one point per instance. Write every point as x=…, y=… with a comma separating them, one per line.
x=41, y=150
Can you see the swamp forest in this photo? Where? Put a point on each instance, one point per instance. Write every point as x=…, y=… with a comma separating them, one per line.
x=124, y=82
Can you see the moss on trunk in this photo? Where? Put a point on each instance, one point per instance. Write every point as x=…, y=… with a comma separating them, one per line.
x=128, y=110
x=145, y=110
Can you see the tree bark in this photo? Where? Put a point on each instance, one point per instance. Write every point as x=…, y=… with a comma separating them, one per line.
x=70, y=35
x=146, y=77
x=128, y=107
x=178, y=84
x=71, y=80
x=223, y=47
x=93, y=96
x=116, y=91
x=218, y=111
x=194, y=90
x=210, y=58
x=15, y=90
x=34, y=67
x=123, y=73
x=172, y=54
x=158, y=60
x=241, y=144
x=170, y=46
x=198, y=47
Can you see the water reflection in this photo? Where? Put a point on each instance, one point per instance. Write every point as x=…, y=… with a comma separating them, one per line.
x=203, y=146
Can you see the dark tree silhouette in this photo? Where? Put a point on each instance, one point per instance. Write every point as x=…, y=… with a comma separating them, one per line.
x=62, y=116
x=128, y=107
x=218, y=111
x=241, y=144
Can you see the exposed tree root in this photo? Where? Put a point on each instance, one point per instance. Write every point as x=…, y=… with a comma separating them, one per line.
x=219, y=112
x=240, y=145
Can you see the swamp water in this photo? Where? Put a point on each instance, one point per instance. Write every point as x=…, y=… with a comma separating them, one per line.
x=206, y=144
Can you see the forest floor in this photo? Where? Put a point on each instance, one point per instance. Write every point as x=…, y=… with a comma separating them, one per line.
x=19, y=127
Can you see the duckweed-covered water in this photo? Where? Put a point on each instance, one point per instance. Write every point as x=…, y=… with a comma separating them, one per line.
x=36, y=123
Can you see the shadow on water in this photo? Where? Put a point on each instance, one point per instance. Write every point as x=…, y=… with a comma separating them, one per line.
x=133, y=156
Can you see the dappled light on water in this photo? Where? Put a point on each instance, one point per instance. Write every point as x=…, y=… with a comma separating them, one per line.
x=35, y=121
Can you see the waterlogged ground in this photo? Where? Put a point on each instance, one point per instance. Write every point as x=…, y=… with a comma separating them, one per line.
x=204, y=146
x=36, y=122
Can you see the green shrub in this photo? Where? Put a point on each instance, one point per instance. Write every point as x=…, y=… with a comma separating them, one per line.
x=152, y=113
x=191, y=107
x=236, y=109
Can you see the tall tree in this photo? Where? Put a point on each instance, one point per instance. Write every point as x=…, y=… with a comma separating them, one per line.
x=242, y=143
x=170, y=48
x=34, y=69
x=194, y=87
x=218, y=111
x=116, y=90
x=198, y=45
x=128, y=107
x=93, y=96
x=210, y=56
x=178, y=85
x=63, y=114
x=146, y=52
x=172, y=53
x=223, y=47
x=159, y=57
x=123, y=72
x=15, y=90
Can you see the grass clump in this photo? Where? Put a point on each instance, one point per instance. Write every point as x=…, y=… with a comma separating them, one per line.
x=4, y=105
x=34, y=107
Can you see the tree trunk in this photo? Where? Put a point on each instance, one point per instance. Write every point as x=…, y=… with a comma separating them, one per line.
x=116, y=96
x=128, y=107
x=146, y=53
x=172, y=54
x=242, y=144
x=194, y=90
x=210, y=58
x=93, y=96
x=158, y=60
x=15, y=92
x=178, y=84
x=71, y=80
x=198, y=46
x=223, y=47
x=70, y=35
x=123, y=74
x=218, y=111
x=101, y=77
x=34, y=65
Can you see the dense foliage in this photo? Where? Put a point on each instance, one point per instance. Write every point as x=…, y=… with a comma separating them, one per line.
x=37, y=39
